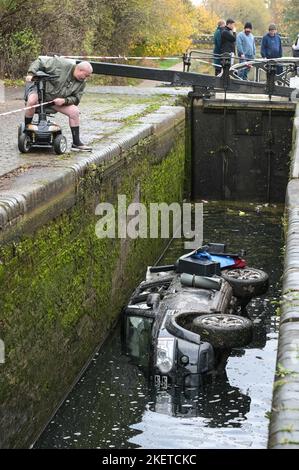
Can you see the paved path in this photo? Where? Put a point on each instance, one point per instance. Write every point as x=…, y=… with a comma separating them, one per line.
x=153, y=83
x=104, y=110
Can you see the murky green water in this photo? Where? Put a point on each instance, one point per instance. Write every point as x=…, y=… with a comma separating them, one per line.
x=112, y=406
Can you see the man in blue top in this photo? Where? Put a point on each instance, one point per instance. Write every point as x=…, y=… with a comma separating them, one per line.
x=217, y=46
x=271, y=46
x=246, y=47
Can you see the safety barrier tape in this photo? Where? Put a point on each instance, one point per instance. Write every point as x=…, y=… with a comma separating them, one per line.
x=24, y=109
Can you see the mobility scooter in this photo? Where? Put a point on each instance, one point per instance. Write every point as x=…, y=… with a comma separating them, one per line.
x=42, y=132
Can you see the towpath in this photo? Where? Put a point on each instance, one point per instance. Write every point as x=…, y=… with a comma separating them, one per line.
x=104, y=112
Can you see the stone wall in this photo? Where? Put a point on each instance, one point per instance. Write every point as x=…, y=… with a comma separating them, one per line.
x=284, y=419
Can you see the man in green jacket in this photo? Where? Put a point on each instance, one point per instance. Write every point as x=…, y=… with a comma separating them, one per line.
x=65, y=91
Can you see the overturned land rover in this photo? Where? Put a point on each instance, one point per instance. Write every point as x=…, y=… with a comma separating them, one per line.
x=182, y=322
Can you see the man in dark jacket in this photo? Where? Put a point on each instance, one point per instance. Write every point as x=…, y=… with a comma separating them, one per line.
x=65, y=91
x=217, y=46
x=271, y=47
x=228, y=39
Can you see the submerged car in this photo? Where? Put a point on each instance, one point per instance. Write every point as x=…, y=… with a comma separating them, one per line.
x=183, y=320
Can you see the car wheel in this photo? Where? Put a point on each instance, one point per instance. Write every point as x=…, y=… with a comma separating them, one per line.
x=224, y=331
x=247, y=282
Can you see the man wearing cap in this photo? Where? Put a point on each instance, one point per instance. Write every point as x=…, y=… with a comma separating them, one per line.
x=271, y=46
x=246, y=47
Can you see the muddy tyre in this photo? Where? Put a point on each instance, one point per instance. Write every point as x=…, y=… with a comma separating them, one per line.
x=224, y=331
x=247, y=282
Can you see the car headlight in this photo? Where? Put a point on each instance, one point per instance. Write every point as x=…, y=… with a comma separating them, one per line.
x=165, y=354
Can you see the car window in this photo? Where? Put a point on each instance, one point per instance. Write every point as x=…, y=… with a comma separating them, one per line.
x=138, y=338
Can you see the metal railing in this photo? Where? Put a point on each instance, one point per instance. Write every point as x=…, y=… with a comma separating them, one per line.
x=209, y=39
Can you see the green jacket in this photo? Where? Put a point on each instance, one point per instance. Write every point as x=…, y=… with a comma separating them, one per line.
x=66, y=85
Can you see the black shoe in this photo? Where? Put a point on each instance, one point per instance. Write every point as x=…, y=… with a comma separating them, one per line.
x=81, y=148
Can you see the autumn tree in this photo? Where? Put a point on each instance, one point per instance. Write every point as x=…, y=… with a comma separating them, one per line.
x=24, y=33
x=116, y=25
x=291, y=18
x=254, y=11
x=276, y=8
x=170, y=24
x=206, y=20
x=17, y=39
x=95, y=27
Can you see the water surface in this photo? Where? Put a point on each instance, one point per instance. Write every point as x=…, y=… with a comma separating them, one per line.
x=113, y=405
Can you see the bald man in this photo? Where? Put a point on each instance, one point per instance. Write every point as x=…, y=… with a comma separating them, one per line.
x=65, y=91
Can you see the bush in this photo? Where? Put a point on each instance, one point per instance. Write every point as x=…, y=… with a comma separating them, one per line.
x=22, y=47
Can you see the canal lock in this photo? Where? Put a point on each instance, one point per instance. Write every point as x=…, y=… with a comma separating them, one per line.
x=236, y=157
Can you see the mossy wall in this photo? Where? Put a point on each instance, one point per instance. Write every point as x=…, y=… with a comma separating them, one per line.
x=62, y=288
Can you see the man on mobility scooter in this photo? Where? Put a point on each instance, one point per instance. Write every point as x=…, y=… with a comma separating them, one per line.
x=63, y=84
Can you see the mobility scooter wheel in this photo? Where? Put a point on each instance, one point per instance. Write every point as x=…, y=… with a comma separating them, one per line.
x=21, y=129
x=60, y=144
x=24, y=143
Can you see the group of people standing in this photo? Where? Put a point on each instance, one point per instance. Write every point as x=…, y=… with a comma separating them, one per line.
x=227, y=41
